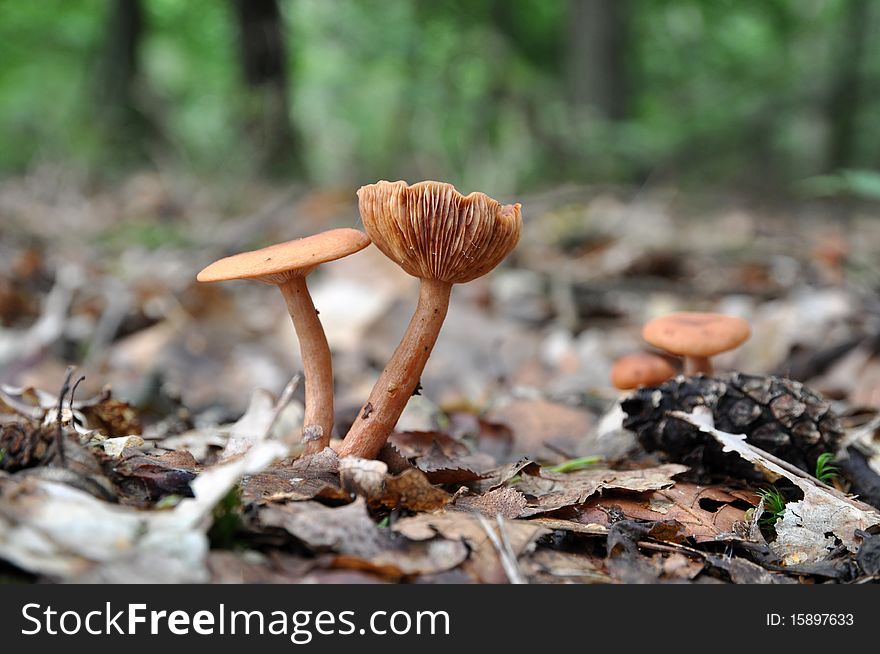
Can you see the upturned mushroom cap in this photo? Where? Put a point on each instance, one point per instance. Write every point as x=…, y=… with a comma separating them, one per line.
x=434, y=232
x=278, y=263
x=696, y=334
x=641, y=369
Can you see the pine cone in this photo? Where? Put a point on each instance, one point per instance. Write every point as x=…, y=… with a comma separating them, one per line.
x=781, y=416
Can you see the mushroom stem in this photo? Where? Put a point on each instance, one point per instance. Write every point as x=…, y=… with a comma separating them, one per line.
x=696, y=365
x=398, y=381
x=317, y=365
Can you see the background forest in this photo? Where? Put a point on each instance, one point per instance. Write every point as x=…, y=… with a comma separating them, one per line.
x=503, y=95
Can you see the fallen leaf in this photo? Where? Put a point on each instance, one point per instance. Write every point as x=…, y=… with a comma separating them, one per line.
x=411, y=490
x=308, y=477
x=537, y=423
x=365, y=477
x=548, y=491
x=568, y=567
x=349, y=532
x=808, y=528
x=507, y=502
x=408, y=490
x=484, y=564
x=147, y=477
x=704, y=513
x=51, y=528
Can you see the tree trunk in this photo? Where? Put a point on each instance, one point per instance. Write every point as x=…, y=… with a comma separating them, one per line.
x=846, y=85
x=118, y=74
x=597, y=57
x=263, y=59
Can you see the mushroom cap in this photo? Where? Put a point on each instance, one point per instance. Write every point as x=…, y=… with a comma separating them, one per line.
x=696, y=334
x=278, y=263
x=434, y=232
x=640, y=369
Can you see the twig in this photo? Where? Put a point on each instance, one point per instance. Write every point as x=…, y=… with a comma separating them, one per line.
x=72, y=393
x=505, y=554
x=283, y=401
x=59, y=429
x=855, y=436
x=671, y=548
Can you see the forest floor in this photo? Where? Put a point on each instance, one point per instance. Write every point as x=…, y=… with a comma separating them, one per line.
x=511, y=466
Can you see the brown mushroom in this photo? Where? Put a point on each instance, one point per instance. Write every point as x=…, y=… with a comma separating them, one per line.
x=640, y=369
x=286, y=265
x=442, y=237
x=696, y=337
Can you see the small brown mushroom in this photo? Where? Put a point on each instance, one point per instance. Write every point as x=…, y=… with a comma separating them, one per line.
x=696, y=337
x=442, y=237
x=640, y=369
x=286, y=265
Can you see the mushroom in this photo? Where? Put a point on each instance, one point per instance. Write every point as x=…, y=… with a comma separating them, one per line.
x=640, y=369
x=442, y=237
x=696, y=337
x=286, y=265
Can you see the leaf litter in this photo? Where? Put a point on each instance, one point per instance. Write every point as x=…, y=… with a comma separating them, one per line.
x=472, y=487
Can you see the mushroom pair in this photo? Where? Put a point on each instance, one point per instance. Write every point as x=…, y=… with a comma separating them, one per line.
x=431, y=231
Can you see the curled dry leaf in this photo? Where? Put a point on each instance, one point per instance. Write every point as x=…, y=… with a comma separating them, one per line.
x=112, y=417
x=408, y=490
x=442, y=458
x=411, y=490
x=365, y=477
x=148, y=477
x=416, y=444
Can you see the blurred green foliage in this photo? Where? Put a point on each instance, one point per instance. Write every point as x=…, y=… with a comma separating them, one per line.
x=473, y=91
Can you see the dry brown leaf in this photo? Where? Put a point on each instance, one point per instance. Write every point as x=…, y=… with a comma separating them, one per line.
x=506, y=502
x=484, y=564
x=149, y=477
x=553, y=566
x=807, y=530
x=536, y=423
x=678, y=566
x=349, y=532
x=416, y=444
x=411, y=490
x=705, y=514
x=442, y=458
x=365, y=477
x=408, y=490
x=548, y=491
x=308, y=477
x=492, y=438
x=113, y=417
x=497, y=477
